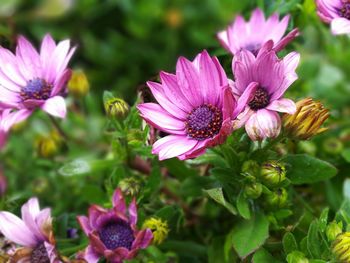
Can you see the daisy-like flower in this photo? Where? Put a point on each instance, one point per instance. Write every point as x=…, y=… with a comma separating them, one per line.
x=196, y=107
x=29, y=79
x=271, y=77
x=33, y=233
x=336, y=13
x=252, y=35
x=113, y=233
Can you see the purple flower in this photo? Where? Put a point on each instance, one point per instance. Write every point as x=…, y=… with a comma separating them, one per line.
x=113, y=233
x=254, y=34
x=33, y=232
x=29, y=79
x=196, y=108
x=267, y=78
x=335, y=12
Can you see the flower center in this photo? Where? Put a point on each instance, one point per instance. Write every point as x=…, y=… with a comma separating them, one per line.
x=117, y=234
x=36, y=89
x=204, y=122
x=254, y=48
x=39, y=254
x=260, y=100
x=345, y=10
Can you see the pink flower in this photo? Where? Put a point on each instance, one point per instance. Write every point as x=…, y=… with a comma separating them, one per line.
x=113, y=233
x=196, y=108
x=29, y=79
x=267, y=78
x=335, y=12
x=254, y=34
x=33, y=232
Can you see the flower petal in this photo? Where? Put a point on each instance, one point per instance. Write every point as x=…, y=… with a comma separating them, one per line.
x=9, y=118
x=55, y=106
x=15, y=230
x=269, y=123
x=133, y=212
x=118, y=201
x=245, y=98
x=30, y=211
x=282, y=105
x=253, y=129
x=85, y=224
x=90, y=255
x=340, y=26
x=28, y=59
x=143, y=239
x=61, y=82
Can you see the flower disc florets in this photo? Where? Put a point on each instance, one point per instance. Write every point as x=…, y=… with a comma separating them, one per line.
x=37, y=89
x=261, y=99
x=117, y=234
x=204, y=122
x=345, y=10
x=39, y=254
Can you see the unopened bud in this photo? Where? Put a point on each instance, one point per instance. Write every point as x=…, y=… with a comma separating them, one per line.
x=130, y=186
x=251, y=167
x=273, y=173
x=277, y=199
x=306, y=122
x=333, y=146
x=333, y=230
x=159, y=229
x=48, y=146
x=78, y=85
x=341, y=247
x=117, y=108
x=253, y=190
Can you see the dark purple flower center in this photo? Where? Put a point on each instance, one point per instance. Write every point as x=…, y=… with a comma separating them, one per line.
x=345, y=10
x=254, y=48
x=39, y=254
x=117, y=234
x=36, y=89
x=204, y=122
x=260, y=99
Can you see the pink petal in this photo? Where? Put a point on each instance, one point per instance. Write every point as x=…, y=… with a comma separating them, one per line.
x=118, y=201
x=282, y=105
x=223, y=39
x=288, y=38
x=340, y=26
x=143, y=239
x=257, y=19
x=29, y=60
x=94, y=213
x=159, y=118
x=229, y=104
x=9, y=118
x=85, y=224
x=8, y=66
x=161, y=96
x=55, y=106
x=133, y=212
x=245, y=98
x=90, y=255
x=173, y=92
x=188, y=80
x=173, y=146
x=242, y=118
x=269, y=123
x=48, y=46
x=15, y=230
x=253, y=129
x=61, y=82
x=30, y=211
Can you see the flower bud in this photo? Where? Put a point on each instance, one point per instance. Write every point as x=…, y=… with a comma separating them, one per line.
x=251, y=167
x=130, y=186
x=159, y=229
x=333, y=230
x=253, y=190
x=341, y=247
x=306, y=121
x=273, y=173
x=173, y=17
x=78, y=85
x=277, y=199
x=333, y=146
x=116, y=108
x=48, y=146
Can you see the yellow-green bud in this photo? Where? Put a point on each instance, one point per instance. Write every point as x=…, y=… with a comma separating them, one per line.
x=297, y=257
x=333, y=230
x=78, y=85
x=117, y=108
x=341, y=247
x=130, y=186
x=253, y=190
x=251, y=167
x=273, y=173
x=277, y=199
x=48, y=146
x=333, y=146
x=159, y=229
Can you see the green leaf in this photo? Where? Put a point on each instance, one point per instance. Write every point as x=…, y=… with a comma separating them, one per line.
x=263, y=256
x=346, y=154
x=243, y=206
x=216, y=251
x=323, y=221
x=305, y=169
x=296, y=257
x=316, y=245
x=289, y=243
x=217, y=195
x=250, y=235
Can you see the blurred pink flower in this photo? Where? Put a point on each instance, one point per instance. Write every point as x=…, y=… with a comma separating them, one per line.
x=113, y=233
x=268, y=78
x=33, y=232
x=252, y=35
x=335, y=12
x=29, y=79
x=196, y=107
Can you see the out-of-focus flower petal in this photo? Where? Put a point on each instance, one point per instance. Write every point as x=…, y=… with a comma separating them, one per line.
x=55, y=106
x=340, y=26
x=282, y=105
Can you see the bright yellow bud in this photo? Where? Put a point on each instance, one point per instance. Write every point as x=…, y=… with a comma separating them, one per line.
x=307, y=120
x=159, y=229
x=48, y=146
x=341, y=247
x=78, y=85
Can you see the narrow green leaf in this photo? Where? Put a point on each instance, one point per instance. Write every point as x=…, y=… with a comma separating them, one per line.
x=263, y=256
x=217, y=195
x=289, y=243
